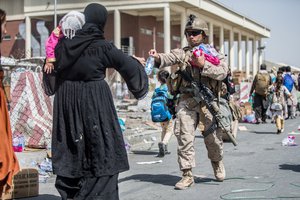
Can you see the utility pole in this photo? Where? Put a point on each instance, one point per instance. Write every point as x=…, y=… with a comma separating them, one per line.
x=261, y=50
x=55, y=14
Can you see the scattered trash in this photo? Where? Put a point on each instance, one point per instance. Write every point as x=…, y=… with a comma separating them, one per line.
x=151, y=141
x=43, y=178
x=46, y=165
x=294, y=133
x=289, y=141
x=149, y=162
x=45, y=170
x=243, y=128
x=122, y=124
x=33, y=164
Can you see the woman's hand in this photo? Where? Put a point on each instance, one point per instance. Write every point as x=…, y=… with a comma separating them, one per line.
x=140, y=59
x=48, y=67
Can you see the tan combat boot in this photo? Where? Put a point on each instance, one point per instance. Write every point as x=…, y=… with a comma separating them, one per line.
x=219, y=170
x=186, y=181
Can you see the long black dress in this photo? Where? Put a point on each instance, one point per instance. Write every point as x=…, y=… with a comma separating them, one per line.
x=87, y=140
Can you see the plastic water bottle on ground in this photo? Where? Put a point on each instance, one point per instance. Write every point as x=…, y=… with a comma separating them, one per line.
x=149, y=65
x=289, y=141
x=18, y=143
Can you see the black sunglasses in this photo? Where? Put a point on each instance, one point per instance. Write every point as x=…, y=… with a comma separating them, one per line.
x=194, y=33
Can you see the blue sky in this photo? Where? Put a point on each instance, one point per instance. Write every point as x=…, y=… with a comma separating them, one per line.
x=282, y=17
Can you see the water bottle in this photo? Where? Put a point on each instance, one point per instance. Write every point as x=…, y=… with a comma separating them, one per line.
x=18, y=143
x=149, y=65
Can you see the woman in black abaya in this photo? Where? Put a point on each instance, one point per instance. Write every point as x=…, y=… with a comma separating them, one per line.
x=87, y=144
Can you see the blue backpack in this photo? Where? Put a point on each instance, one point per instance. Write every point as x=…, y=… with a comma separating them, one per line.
x=159, y=108
x=288, y=82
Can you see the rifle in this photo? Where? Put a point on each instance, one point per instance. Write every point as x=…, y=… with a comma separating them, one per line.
x=203, y=94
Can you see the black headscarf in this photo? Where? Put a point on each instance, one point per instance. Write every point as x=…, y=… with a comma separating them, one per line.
x=69, y=50
x=96, y=14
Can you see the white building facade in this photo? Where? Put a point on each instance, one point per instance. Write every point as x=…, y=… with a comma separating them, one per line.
x=234, y=34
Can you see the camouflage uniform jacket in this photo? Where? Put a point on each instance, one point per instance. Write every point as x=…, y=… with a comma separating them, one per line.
x=211, y=75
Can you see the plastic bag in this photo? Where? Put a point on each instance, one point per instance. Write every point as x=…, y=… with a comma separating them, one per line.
x=289, y=141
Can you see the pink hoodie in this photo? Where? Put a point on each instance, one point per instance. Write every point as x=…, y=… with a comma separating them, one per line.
x=51, y=43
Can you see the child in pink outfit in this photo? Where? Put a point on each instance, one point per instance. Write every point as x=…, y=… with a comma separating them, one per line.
x=67, y=27
x=210, y=53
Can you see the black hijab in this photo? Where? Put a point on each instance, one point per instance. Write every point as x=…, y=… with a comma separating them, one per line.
x=69, y=50
x=96, y=14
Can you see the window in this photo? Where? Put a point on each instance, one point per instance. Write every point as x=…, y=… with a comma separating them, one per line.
x=146, y=31
x=176, y=38
x=7, y=37
x=160, y=34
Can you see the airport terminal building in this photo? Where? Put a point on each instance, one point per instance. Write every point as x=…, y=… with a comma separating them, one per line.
x=136, y=26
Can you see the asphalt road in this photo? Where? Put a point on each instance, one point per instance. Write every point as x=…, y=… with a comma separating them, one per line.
x=258, y=168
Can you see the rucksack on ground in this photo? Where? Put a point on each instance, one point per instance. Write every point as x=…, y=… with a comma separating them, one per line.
x=159, y=108
x=262, y=83
x=288, y=82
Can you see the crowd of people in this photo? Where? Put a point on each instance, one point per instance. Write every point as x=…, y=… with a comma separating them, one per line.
x=88, y=150
x=275, y=96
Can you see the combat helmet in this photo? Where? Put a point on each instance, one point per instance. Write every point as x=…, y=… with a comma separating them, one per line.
x=195, y=23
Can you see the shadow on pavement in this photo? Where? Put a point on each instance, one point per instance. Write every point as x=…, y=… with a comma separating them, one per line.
x=43, y=197
x=295, y=168
x=163, y=179
x=205, y=180
x=144, y=152
x=264, y=132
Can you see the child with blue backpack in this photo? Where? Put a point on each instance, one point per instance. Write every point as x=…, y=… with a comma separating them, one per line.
x=160, y=112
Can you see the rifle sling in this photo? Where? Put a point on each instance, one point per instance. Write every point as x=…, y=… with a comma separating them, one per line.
x=210, y=130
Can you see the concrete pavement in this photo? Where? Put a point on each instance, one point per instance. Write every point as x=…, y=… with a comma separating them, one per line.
x=258, y=168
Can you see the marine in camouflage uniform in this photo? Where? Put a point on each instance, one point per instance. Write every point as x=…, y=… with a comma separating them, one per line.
x=188, y=112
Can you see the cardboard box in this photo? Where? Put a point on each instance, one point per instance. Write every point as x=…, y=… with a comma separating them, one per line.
x=25, y=184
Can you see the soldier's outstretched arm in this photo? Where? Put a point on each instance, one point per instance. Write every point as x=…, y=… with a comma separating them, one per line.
x=167, y=59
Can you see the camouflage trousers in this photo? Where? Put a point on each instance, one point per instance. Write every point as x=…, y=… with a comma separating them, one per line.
x=186, y=121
